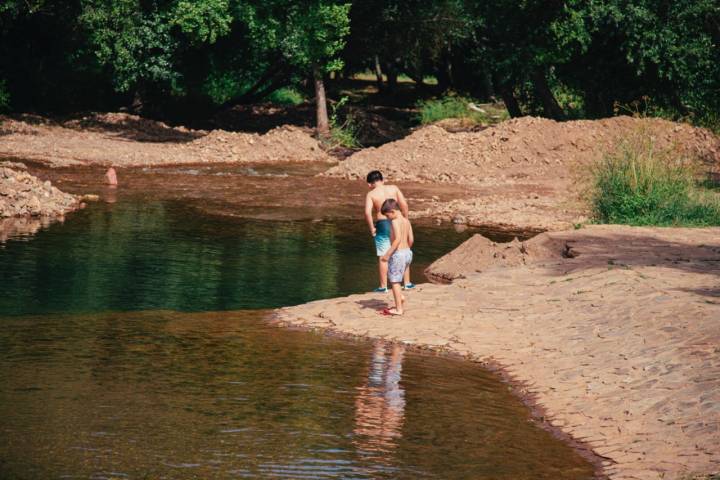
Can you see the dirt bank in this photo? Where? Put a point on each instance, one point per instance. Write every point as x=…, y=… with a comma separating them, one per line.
x=127, y=140
x=530, y=170
x=23, y=194
x=616, y=341
x=28, y=203
x=518, y=149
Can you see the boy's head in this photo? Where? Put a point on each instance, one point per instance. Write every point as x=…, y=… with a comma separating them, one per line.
x=374, y=177
x=390, y=208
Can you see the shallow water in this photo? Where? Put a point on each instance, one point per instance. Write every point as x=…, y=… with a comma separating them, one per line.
x=128, y=352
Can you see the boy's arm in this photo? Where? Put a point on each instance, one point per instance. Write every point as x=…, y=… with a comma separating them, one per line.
x=403, y=203
x=395, y=241
x=411, y=237
x=368, y=214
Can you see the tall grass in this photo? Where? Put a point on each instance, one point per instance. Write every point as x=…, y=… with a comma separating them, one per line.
x=286, y=96
x=639, y=185
x=453, y=106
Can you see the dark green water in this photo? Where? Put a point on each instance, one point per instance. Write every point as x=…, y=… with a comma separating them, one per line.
x=128, y=351
x=154, y=255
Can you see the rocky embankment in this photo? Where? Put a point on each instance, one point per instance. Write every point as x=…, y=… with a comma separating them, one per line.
x=128, y=140
x=27, y=203
x=23, y=194
x=611, y=331
x=532, y=172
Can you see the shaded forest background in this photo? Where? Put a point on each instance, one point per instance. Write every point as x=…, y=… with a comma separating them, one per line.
x=184, y=60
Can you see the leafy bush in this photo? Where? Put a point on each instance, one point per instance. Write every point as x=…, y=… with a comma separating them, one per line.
x=342, y=133
x=453, y=106
x=639, y=185
x=4, y=97
x=286, y=96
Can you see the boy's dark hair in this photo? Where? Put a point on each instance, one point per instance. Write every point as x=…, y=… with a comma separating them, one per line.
x=389, y=205
x=374, y=176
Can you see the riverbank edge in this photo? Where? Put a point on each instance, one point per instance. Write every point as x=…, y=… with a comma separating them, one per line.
x=539, y=415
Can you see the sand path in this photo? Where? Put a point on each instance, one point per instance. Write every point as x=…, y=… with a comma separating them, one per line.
x=620, y=346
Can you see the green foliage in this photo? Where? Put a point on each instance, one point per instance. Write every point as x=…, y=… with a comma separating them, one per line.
x=453, y=106
x=134, y=44
x=223, y=85
x=4, y=97
x=286, y=96
x=203, y=21
x=585, y=57
x=318, y=34
x=639, y=185
x=342, y=133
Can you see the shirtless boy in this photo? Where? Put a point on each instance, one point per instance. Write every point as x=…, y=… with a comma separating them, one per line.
x=380, y=225
x=399, y=256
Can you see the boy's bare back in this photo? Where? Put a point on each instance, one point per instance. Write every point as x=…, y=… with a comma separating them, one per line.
x=402, y=229
x=378, y=195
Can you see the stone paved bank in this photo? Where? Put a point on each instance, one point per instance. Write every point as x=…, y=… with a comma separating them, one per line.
x=620, y=345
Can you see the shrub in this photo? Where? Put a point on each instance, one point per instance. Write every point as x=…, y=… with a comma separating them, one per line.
x=286, y=96
x=453, y=106
x=639, y=185
x=342, y=133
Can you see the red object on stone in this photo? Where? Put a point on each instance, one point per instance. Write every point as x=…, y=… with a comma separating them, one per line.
x=111, y=177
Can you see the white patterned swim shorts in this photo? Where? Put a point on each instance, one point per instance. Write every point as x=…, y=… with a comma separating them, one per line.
x=397, y=264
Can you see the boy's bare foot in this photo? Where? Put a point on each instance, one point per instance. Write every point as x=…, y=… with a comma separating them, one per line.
x=395, y=311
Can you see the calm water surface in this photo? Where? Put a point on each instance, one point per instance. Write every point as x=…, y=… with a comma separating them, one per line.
x=129, y=350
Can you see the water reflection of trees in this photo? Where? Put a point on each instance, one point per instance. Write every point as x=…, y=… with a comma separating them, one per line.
x=380, y=405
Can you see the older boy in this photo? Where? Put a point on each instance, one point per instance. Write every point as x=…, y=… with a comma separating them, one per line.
x=380, y=225
x=399, y=256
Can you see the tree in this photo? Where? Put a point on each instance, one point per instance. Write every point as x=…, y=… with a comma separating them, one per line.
x=300, y=36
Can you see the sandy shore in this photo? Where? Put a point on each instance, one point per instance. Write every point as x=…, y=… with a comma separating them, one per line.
x=618, y=345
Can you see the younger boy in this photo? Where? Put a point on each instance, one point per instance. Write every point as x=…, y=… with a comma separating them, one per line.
x=399, y=256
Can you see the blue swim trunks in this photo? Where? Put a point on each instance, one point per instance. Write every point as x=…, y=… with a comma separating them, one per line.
x=382, y=236
x=397, y=264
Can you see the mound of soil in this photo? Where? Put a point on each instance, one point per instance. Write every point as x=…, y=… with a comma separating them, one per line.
x=478, y=254
x=521, y=148
x=593, y=246
x=22, y=194
x=128, y=140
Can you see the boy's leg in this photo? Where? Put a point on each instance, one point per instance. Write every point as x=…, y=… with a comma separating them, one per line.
x=406, y=276
x=397, y=294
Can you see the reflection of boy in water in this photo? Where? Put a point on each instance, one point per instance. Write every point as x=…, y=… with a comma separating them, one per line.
x=380, y=403
x=380, y=225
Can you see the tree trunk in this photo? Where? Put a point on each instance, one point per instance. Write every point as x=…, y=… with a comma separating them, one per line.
x=542, y=90
x=417, y=77
x=506, y=93
x=442, y=78
x=378, y=75
x=392, y=76
x=323, y=124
